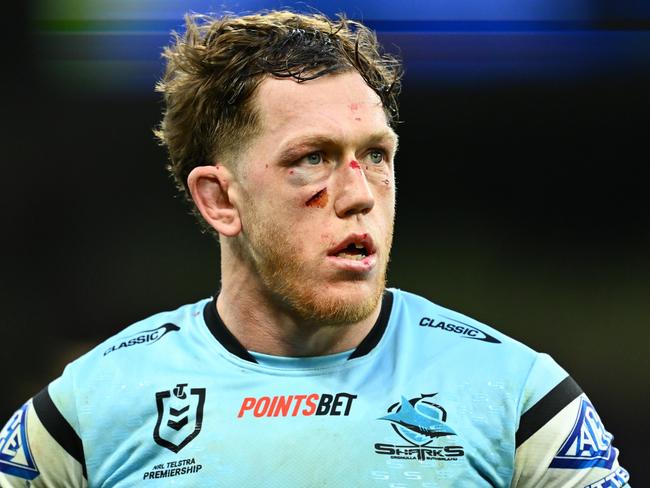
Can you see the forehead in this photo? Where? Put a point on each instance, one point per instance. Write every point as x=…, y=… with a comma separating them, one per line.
x=332, y=103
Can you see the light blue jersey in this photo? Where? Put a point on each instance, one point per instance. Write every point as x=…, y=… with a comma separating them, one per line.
x=430, y=398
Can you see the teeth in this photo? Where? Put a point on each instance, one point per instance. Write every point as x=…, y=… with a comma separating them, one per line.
x=359, y=246
x=355, y=257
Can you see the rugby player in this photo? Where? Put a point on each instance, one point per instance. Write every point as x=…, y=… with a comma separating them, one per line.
x=304, y=370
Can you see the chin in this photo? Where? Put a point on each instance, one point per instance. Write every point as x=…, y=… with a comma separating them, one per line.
x=341, y=303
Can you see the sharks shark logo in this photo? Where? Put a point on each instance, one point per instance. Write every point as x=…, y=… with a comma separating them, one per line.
x=418, y=420
x=421, y=423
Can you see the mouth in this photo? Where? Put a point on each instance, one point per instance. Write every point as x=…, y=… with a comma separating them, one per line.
x=355, y=247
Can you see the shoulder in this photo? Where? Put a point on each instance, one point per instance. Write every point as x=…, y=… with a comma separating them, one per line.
x=159, y=331
x=93, y=391
x=558, y=437
x=431, y=323
x=145, y=346
x=474, y=349
x=441, y=319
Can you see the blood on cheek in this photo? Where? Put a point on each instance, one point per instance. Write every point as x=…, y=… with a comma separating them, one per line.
x=318, y=199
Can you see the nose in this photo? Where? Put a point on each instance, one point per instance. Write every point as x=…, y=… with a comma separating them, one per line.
x=354, y=194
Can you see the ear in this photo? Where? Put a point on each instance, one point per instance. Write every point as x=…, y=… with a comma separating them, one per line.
x=209, y=188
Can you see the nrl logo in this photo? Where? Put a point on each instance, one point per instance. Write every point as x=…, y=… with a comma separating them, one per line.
x=180, y=415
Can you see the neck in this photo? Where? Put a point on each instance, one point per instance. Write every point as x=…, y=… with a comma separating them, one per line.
x=261, y=323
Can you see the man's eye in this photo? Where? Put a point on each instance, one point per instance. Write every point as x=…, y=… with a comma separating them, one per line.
x=376, y=157
x=314, y=158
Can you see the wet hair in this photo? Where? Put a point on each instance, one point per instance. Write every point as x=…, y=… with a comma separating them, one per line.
x=215, y=66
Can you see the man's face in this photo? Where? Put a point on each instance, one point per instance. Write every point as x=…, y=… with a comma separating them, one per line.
x=318, y=197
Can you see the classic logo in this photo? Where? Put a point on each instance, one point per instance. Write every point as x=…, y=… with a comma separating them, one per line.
x=419, y=421
x=180, y=415
x=588, y=445
x=15, y=455
x=144, y=337
x=465, y=330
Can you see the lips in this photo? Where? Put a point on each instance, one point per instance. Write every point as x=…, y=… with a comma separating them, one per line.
x=354, y=247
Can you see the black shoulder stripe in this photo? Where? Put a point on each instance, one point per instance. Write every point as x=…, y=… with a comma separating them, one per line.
x=58, y=427
x=544, y=410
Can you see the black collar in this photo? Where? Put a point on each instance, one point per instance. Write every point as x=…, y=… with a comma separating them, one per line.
x=226, y=339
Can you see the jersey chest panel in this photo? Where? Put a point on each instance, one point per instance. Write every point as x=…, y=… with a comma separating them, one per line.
x=365, y=425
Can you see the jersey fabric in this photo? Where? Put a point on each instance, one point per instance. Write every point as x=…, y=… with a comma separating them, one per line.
x=430, y=398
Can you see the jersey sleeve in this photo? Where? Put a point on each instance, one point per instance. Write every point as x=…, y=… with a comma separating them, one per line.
x=40, y=449
x=561, y=441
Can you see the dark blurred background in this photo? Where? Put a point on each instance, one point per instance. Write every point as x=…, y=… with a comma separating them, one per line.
x=522, y=182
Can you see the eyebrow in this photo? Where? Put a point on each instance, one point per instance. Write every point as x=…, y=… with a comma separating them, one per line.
x=388, y=135
x=297, y=147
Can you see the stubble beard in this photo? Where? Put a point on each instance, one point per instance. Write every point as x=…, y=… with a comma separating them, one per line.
x=271, y=255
